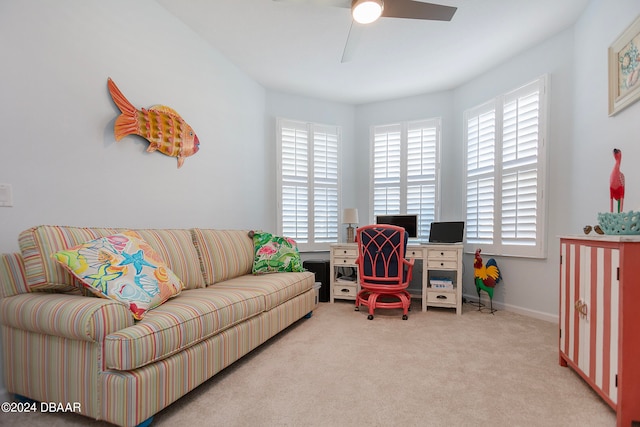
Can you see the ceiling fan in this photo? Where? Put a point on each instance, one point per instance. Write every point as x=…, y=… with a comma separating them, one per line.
x=367, y=11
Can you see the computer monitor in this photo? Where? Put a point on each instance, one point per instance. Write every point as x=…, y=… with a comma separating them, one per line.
x=447, y=232
x=408, y=222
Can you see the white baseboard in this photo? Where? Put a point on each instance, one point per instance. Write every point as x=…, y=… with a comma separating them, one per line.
x=553, y=318
x=548, y=317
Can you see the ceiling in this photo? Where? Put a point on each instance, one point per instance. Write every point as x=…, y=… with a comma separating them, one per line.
x=296, y=46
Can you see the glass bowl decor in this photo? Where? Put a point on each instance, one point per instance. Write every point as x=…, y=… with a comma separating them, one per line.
x=620, y=223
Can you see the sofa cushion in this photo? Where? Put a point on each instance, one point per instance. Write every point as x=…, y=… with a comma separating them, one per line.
x=224, y=254
x=39, y=243
x=124, y=268
x=276, y=288
x=180, y=323
x=274, y=254
x=176, y=248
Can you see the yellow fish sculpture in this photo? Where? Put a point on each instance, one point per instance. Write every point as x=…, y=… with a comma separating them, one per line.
x=162, y=126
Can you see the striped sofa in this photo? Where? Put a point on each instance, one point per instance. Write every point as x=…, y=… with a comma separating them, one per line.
x=64, y=347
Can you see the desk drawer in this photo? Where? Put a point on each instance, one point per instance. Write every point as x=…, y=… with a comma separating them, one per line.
x=346, y=252
x=442, y=264
x=443, y=254
x=338, y=261
x=341, y=290
x=414, y=253
x=445, y=298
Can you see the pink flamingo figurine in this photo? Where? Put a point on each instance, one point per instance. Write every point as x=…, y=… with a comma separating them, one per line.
x=616, y=182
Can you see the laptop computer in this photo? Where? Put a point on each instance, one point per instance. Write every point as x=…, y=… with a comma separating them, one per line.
x=447, y=232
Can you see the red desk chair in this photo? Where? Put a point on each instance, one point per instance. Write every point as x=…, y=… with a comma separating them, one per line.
x=385, y=273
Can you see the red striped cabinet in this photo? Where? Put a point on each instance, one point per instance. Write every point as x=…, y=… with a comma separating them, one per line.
x=600, y=317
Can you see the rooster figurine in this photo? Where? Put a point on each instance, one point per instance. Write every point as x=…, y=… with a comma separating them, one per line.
x=486, y=277
x=616, y=182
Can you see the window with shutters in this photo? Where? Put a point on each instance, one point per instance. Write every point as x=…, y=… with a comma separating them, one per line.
x=308, y=183
x=505, y=170
x=406, y=164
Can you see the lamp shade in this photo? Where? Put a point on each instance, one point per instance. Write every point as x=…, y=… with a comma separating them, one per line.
x=350, y=216
x=366, y=11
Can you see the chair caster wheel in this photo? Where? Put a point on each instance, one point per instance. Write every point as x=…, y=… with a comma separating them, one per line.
x=405, y=317
x=370, y=317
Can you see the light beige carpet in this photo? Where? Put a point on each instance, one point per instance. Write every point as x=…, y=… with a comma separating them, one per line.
x=435, y=369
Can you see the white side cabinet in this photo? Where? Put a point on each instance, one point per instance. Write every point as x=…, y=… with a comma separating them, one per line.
x=445, y=260
x=342, y=260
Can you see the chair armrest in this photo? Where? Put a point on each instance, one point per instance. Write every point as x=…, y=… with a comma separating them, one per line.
x=70, y=316
x=408, y=267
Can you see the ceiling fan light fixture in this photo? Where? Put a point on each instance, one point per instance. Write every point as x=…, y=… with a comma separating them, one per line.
x=366, y=11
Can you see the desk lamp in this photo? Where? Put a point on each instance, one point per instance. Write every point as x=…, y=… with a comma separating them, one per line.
x=350, y=217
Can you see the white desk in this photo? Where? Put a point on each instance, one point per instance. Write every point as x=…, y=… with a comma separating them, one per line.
x=435, y=258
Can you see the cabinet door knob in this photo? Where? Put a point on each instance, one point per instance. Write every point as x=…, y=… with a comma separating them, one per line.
x=581, y=308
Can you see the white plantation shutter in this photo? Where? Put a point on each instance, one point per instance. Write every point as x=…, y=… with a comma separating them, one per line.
x=294, y=169
x=325, y=194
x=520, y=138
x=481, y=147
x=422, y=170
x=405, y=164
x=308, y=183
x=505, y=173
x=386, y=170
x=519, y=207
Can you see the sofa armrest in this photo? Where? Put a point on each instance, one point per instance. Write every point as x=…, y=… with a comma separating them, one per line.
x=70, y=316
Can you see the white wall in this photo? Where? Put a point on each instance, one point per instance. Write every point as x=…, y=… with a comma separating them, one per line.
x=306, y=109
x=417, y=107
x=594, y=133
x=522, y=290
x=529, y=285
x=56, y=115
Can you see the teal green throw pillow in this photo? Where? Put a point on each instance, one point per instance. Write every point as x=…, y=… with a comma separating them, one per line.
x=275, y=254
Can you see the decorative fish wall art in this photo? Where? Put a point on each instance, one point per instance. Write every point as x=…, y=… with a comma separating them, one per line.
x=162, y=126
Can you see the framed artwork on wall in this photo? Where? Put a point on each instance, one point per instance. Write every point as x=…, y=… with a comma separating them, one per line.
x=624, y=69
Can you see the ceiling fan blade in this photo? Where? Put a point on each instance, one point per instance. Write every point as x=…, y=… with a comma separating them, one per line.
x=353, y=39
x=336, y=3
x=418, y=10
